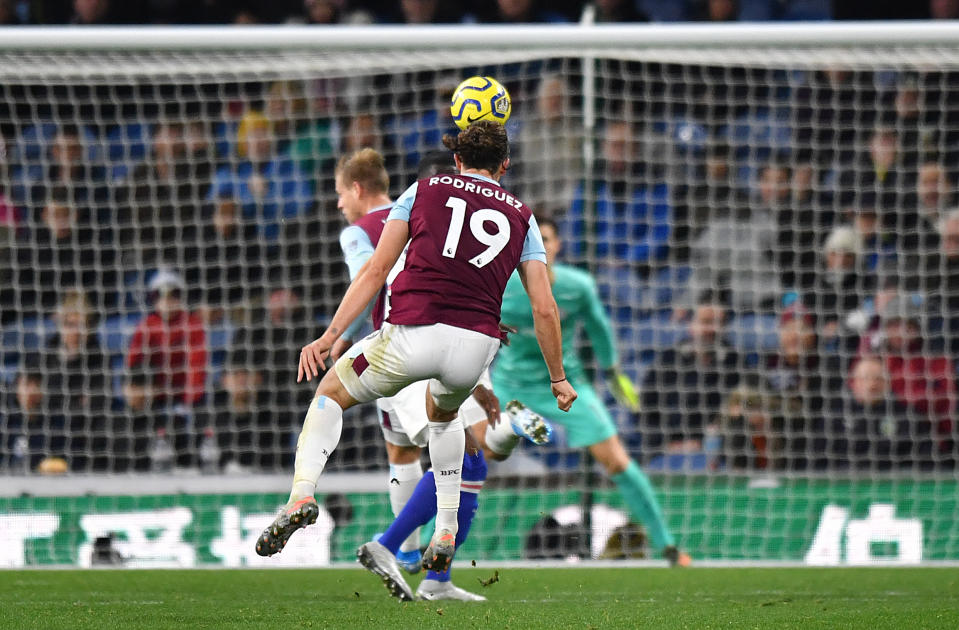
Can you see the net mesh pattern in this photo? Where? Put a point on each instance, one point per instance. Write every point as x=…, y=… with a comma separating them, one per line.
x=773, y=232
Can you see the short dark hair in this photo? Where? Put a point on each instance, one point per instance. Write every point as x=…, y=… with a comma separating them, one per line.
x=547, y=221
x=69, y=129
x=138, y=376
x=59, y=195
x=435, y=163
x=483, y=145
x=719, y=149
x=714, y=297
x=241, y=360
x=31, y=368
x=778, y=162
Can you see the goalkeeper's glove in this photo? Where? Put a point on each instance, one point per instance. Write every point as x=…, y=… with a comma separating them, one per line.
x=622, y=389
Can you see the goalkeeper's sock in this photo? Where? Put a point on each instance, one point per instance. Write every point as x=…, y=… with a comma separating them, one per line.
x=447, y=447
x=318, y=439
x=402, y=482
x=639, y=495
x=502, y=439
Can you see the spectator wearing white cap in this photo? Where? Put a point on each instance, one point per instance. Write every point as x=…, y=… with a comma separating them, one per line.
x=840, y=286
x=170, y=342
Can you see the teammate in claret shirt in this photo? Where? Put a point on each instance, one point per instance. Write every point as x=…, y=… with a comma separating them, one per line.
x=362, y=185
x=466, y=236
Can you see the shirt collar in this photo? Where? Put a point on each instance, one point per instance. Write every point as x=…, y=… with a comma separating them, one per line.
x=483, y=177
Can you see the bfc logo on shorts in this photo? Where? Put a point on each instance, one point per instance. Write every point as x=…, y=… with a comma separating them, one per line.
x=454, y=471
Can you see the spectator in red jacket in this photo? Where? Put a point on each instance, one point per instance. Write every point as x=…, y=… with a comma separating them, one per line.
x=171, y=343
x=919, y=377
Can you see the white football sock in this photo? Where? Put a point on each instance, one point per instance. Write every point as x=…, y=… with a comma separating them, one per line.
x=318, y=438
x=501, y=439
x=447, y=447
x=402, y=482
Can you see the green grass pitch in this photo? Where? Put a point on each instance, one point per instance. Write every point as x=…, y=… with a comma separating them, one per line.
x=523, y=599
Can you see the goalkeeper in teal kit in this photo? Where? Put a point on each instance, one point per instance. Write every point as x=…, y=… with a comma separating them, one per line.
x=519, y=373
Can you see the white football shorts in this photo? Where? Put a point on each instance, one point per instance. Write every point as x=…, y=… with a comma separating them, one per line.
x=451, y=359
x=403, y=416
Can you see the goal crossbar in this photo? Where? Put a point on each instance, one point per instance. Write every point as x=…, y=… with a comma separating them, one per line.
x=573, y=37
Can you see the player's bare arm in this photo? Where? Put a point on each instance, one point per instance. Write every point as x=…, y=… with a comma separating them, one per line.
x=535, y=277
x=369, y=280
x=489, y=403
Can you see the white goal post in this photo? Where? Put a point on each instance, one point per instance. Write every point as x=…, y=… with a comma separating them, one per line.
x=697, y=202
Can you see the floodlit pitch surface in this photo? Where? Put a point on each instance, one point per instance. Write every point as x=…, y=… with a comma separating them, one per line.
x=521, y=598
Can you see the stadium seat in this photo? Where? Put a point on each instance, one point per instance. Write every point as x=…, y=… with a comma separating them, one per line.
x=664, y=286
x=663, y=10
x=807, y=10
x=115, y=332
x=758, y=133
x=677, y=462
x=224, y=138
x=219, y=340
x=27, y=335
x=756, y=10
x=21, y=337
x=753, y=333
x=34, y=140
x=126, y=145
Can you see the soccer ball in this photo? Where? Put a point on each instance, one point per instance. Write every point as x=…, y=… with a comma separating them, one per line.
x=480, y=98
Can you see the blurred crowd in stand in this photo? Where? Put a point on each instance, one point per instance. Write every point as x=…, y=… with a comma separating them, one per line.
x=778, y=247
x=240, y=12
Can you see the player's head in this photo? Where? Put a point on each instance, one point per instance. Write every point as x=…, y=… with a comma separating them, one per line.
x=483, y=146
x=435, y=163
x=551, y=240
x=361, y=182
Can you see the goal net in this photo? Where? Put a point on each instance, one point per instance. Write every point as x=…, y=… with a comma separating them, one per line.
x=769, y=213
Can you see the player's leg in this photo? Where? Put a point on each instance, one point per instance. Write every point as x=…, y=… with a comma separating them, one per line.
x=418, y=511
x=405, y=472
x=461, y=356
x=404, y=432
x=589, y=425
x=318, y=439
x=437, y=584
x=353, y=379
x=597, y=430
x=639, y=495
x=446, y=443
x=517, y=421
